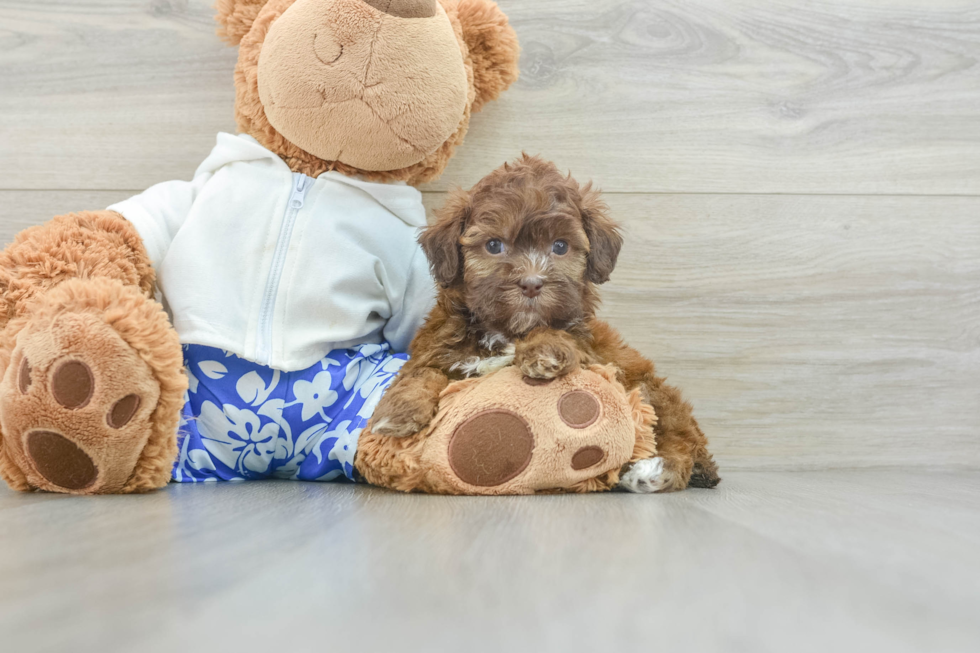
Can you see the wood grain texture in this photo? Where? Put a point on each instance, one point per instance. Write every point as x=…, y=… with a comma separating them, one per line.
x=862, y=561
x=22, y=209
x=811, y=331
x=767, y=96
x=808, y=331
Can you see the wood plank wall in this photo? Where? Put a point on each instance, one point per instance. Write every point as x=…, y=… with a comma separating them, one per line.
x=799, y=181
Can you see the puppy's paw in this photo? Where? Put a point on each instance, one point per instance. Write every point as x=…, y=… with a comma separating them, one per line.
x=646, y=476
x=546, y=360
x=404, y=420
x=397, y=427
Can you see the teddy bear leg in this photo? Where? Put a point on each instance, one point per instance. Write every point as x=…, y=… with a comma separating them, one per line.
x=508, y=433
x=91, y=391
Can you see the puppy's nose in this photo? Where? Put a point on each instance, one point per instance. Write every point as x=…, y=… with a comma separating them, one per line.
x=531, y=286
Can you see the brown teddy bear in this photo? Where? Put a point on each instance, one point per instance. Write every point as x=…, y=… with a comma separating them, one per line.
x=289, y=264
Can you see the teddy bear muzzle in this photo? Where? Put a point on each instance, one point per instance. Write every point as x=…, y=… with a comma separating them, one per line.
x=379, y=90
x=405, y=8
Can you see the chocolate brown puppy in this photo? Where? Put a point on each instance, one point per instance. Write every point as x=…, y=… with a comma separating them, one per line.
x=518, y=259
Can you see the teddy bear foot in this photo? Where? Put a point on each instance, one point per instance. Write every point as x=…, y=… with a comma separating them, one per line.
x=506, y=433
x=83, y=401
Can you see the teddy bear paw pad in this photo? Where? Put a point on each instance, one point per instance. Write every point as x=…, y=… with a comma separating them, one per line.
x=76, y=406
x=72, y=384
x=578, y=409
x=587, y=457
x=60, y=460
x=491, y=448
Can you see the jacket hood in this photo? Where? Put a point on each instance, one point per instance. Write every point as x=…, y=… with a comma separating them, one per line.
x=399, y=198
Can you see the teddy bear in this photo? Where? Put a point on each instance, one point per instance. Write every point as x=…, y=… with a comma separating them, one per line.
x=243, y=324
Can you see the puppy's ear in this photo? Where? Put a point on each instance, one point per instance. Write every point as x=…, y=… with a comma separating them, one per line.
x=605, y=240
x=235, y=18
x=440, y=241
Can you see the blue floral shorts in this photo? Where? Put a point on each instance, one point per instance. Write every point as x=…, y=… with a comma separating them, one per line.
x=243, y=420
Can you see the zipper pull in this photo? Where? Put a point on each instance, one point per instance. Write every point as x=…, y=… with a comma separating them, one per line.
x=298, y=196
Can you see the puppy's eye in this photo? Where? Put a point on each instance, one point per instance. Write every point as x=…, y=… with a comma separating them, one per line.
x=560, y=247
x=495, y=246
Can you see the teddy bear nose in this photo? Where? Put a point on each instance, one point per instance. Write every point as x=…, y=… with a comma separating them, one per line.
x=405, y=8
x=531, y=286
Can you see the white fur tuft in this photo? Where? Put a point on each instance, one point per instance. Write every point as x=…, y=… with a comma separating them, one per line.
x=477, y=366
x=646, y=476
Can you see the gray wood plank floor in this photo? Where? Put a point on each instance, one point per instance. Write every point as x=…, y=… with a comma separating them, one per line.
x=800, y=186
x=769, y=561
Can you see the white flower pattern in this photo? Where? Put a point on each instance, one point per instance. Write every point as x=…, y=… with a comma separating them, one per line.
x=237, y=438
x=242, y=420
x=315, y=395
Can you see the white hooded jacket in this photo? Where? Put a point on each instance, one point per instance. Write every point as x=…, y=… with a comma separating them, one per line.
x=279, y=268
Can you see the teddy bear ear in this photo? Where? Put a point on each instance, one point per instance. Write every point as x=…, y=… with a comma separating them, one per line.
x=235, y=18
x=493, y=48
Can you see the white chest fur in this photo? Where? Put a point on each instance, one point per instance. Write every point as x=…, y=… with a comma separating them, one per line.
x=501, y=354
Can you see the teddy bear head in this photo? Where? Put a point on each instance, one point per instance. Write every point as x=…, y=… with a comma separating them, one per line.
x=382, y=89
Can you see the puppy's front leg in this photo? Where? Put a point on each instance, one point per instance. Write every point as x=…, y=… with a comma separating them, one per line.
x=410, y=403
x=547, y=353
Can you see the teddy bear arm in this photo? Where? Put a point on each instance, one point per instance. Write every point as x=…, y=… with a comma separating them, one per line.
x=92, y=244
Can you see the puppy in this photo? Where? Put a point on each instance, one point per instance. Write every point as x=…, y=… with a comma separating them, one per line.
x=519, y=258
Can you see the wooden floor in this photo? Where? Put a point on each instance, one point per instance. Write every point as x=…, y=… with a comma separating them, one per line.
x=800, y=187
x=769, y=561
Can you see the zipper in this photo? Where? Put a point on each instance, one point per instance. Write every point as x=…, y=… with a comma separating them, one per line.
x=263, y=347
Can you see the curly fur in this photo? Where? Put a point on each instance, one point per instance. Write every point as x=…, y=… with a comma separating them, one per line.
x=493, y=51
x=235, y=18
x=86, y=244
